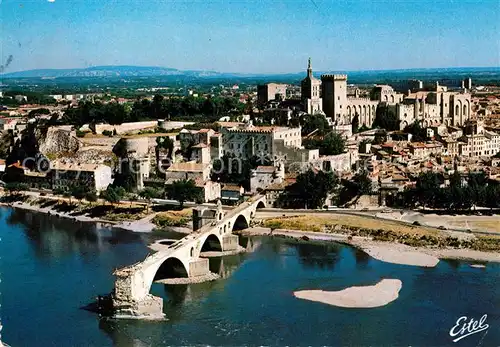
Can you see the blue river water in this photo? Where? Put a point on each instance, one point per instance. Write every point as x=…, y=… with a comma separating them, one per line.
x=50, y=268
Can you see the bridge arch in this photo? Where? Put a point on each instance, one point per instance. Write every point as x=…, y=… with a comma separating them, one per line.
x=171, y=268
x=211, y=244
x=240, y=223
x=261, y=204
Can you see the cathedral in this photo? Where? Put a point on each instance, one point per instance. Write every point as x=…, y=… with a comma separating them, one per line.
x=311, y=92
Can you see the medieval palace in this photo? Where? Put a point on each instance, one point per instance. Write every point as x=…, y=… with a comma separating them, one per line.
x=430, y=105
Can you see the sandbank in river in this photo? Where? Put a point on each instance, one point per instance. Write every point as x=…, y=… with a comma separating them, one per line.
x=380, y=294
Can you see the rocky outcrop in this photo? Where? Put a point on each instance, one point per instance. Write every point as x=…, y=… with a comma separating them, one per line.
x=59, y=140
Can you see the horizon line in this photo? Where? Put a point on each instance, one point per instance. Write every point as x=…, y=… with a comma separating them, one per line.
x=255, y=73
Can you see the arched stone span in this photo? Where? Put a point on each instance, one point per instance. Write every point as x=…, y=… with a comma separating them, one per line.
x=132, y=284
x=171, y=268
x=240, y=223
x=261, y=204
x=212, y=243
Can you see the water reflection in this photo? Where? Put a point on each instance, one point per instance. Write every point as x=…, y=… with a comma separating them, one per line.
x=316, y=255
x=53, y=237
x=362, y=258
x=114, y=329
x=226, y=266
x=177, y=296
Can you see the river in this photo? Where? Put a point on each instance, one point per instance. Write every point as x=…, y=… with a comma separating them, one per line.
x=51, y=268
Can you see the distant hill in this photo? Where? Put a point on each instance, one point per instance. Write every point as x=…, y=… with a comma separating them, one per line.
x=112, y=71
x=153, y=75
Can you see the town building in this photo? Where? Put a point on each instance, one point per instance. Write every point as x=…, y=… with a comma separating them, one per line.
x=341, y=108
x=94, y=177
x=269, y=144
x=435, y=107
x=231, y=194
x=265, y=176
x=21, y=98
x=270, y=91
x=199, y=173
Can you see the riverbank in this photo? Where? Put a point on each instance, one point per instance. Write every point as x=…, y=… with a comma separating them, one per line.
x=120, y=217
x=385, y=251
x=52, y=212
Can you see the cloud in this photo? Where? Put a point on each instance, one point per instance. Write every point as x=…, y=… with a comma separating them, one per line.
x=51, y=0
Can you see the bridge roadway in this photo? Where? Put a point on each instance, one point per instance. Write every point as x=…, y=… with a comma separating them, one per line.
x=131, y=298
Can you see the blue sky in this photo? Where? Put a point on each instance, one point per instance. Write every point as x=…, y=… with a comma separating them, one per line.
x=250, y=36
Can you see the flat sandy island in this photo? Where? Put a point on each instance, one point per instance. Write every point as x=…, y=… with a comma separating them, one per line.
x=380, y=294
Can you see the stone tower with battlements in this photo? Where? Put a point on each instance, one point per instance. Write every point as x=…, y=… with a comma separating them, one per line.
x=334, y=95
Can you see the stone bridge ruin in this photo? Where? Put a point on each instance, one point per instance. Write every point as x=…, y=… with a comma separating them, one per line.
x=131, y=297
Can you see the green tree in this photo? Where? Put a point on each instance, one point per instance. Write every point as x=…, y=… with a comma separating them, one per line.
x=314, y=122
x=477, y=186
x=386, y=118
x=78, y=192
x=231, y=169
x=363, y=183
x=427, y=186
x=310, y=189
x=113, y=194
x=67, y=194
x=492, y=196
x=15, y=187
x=148, y=194
x=332, y=144
x=182, y=191
x=91, y=196
x=360, y=184
x=58, y=191
x=419, y=133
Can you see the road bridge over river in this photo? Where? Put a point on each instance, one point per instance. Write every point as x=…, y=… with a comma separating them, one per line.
x=131, y=296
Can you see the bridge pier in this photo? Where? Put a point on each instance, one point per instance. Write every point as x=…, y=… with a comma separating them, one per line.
x=199, y=267
x=149, y=307
x=230, y=242
x=126, y=304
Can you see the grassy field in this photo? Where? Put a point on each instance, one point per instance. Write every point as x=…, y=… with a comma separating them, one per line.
x=382, y=230
x=173, y=218
x=327, y=223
